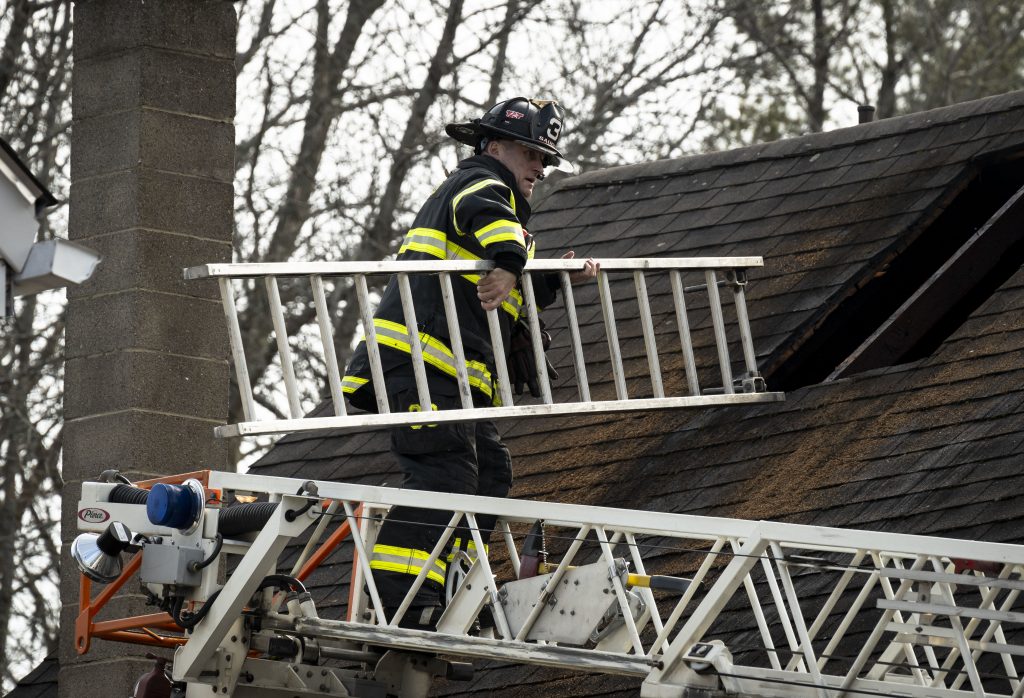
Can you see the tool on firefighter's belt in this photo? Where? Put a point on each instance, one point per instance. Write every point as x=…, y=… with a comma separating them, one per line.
x=534, y=552
x=522, y=365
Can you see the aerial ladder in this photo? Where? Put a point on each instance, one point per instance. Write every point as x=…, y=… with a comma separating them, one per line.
x=688, y=605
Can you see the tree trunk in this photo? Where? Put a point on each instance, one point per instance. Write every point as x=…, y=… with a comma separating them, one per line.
x=22, y=13
x=816, y=101
x=502, y=52
x=12, y=466
x=380, y=236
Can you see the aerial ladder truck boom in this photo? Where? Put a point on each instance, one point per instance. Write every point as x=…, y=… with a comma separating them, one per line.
x=688, y=605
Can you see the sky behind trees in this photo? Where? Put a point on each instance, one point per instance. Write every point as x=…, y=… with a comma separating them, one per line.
x=341, y=108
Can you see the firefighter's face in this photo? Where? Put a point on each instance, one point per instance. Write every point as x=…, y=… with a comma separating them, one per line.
x=526, y=165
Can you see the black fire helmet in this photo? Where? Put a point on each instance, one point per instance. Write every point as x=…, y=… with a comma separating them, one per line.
x=535, y=123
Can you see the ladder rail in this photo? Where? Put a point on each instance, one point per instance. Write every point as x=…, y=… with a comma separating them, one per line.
x=241, y=270
x=686, y=526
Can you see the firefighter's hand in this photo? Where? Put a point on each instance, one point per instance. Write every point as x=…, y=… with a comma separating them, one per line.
x=588, y=272
x=494, y=287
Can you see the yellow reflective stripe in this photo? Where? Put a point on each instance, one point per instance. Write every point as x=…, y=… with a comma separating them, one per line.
x=350, y=384
x=426, y=240
x=406, y=569
x=500, y=231
x=392, y=558
x=476, y=187
x=428, y=233
x=423, y=555
x=432, y=250
x=456, y=252
x=470, y=549
x=513, y=304
x=435, y=353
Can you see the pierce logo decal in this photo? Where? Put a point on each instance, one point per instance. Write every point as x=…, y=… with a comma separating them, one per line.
x=93, y=515
x=513, y=114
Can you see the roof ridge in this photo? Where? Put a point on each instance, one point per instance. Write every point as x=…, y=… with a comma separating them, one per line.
x=806, y=144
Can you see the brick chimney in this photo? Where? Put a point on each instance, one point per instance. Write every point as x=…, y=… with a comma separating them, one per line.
x=152, y=165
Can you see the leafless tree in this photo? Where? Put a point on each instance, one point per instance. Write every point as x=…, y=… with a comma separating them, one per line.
x=340, y=138
x=794, y=63
x=958, y=50
x=35, y=113
x=792, y=48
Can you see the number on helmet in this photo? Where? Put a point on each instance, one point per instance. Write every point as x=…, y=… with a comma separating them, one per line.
x=554, y=128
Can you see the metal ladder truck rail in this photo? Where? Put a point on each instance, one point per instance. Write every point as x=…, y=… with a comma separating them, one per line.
x=692, y=605
x=707, y=276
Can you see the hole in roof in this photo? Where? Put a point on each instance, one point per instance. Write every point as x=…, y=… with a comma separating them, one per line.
x=919, y=296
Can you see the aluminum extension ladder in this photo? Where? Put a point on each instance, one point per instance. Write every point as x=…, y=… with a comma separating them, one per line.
x=754, y=608
x=694, y=283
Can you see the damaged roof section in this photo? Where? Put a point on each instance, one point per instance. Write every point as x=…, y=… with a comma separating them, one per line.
x=924, y=442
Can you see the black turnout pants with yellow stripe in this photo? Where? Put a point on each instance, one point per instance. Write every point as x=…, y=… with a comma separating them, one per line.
x=464, y=458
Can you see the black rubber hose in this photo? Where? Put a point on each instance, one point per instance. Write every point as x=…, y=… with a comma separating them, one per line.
x=187, y=620
x=195, y=565
x=293, y=514
x=282, y=581
x=245, y=518
x=126, y=494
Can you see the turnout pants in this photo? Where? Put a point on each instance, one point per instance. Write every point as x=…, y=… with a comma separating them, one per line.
x=466, y=458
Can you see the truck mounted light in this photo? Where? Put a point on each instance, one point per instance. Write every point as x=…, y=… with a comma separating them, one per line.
x=99, y=555
x=177, y=506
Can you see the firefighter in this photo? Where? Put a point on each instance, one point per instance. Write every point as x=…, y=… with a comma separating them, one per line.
x=478, y=213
